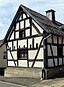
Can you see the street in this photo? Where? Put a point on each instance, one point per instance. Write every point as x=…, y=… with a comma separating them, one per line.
x=28, y=82
x=6, y=84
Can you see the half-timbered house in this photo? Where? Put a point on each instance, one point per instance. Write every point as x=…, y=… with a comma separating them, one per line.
x=35, y=41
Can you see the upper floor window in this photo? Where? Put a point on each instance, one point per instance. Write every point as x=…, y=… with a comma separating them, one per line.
x=22, y=34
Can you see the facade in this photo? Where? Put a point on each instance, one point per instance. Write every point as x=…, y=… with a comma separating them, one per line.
x=3, y=59
x=35, y=41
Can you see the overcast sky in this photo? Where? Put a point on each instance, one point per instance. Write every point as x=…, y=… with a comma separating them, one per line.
x=8, y=9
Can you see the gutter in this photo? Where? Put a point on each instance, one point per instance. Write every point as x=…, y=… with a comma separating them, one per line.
x=43, y=54
x=46, y=37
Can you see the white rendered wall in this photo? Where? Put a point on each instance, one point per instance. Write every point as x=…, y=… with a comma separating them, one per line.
x=21, y=43
x=12, y=36
x=39, y=64
x=37, y=40
x=22, y=63
x=11, y=63
x=9, y=55
x=24, y=16
x=17, y=26
x=27, y=23
x=10, y=45
x=21, y=24
x=15, y=44
x=27, y=32
x=39, y=28
x=31, y=54
x=34, y=32
x=14, y=55
x=29, y=42
x=17, y=35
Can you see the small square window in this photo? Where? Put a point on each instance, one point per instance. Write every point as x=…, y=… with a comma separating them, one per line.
x=22, y=34
x=22, y=54
x=4, y=55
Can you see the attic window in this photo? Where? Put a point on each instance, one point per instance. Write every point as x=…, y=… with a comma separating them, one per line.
x=22, y=34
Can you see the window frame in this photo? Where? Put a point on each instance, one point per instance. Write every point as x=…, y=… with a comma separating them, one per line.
x=60, y=51
x=22, y=34
x=24, y=54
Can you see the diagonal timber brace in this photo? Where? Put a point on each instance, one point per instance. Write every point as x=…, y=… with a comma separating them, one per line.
x=12, y=56
x=39, y=48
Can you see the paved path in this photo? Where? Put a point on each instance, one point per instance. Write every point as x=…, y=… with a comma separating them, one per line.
x=6, y=84
x=27, y=82
x=21, y=81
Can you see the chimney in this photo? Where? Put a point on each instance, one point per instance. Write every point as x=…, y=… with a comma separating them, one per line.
x=51, y=15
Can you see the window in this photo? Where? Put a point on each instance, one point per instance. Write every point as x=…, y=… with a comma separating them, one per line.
x=22, y=34
x=22, y=54
x=60, y=51
x=4, y=55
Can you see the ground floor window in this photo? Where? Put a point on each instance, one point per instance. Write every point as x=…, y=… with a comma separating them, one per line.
x=22, y=53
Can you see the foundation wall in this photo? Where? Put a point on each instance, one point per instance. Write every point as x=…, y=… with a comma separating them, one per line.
x=23, y=72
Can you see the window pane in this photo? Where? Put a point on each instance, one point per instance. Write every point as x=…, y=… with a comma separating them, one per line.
x=60, y=51
x=22, y=33
x=22, y=53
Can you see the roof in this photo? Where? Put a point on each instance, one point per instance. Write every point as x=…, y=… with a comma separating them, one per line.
x=42, y=21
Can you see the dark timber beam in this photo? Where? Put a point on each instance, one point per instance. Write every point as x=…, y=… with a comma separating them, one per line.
x=36, y=28
x=12, y=56
x=43, y=38
x=27, y=55
x=52, y=54
x=37, y=53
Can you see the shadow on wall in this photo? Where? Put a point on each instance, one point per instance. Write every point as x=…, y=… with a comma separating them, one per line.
x=60, y=74
x=2, y=71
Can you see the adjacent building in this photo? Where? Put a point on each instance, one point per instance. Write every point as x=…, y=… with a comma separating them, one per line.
x=3, y=59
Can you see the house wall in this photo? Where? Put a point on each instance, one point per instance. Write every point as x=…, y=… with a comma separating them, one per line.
x=3, y=61
x=52, y=51
x=31, y=53
x=31, y=42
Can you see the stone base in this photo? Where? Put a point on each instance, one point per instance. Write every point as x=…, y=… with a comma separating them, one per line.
x=23, y=72
x=53, y=72
x=34, y=72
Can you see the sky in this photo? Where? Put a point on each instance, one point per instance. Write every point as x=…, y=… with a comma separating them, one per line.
x=8, y=9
